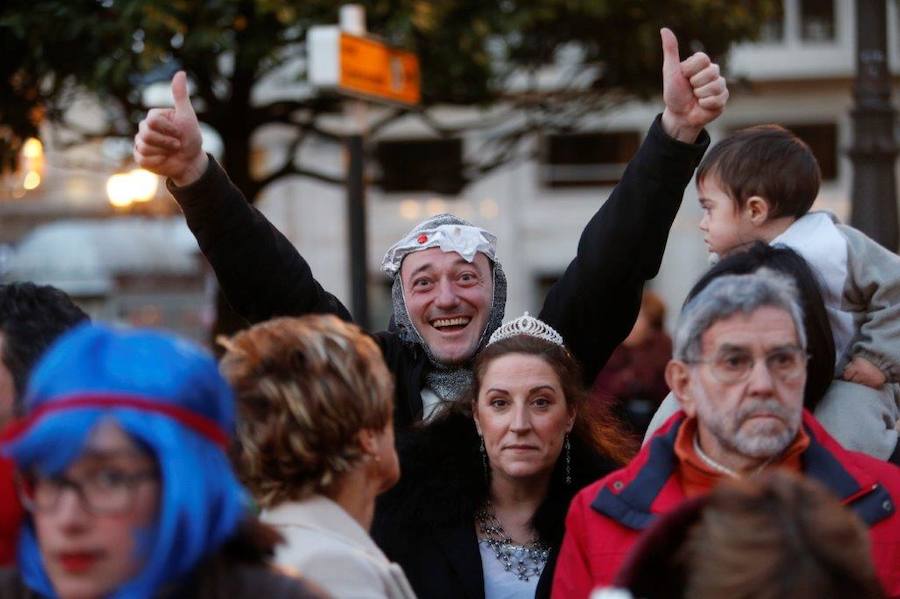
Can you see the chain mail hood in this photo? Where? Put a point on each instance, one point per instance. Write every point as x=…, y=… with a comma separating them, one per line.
x=448, y=382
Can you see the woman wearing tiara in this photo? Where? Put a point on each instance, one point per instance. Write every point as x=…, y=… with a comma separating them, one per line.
x=480, y=508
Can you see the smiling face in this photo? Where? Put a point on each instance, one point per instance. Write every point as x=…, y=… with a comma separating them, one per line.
x=725, y=227
x=743, y=423
x=522, y=415
x=448, y=300
x=88, y=555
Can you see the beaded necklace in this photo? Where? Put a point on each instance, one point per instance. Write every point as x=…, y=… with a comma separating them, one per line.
x=524, y=561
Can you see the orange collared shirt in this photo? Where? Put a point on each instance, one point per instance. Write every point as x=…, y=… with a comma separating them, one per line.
x=697, y=478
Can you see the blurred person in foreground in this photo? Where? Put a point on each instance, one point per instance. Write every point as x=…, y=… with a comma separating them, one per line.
x=774, y=536
x=123, y=468
x=31, y=318
x=316, y=446
x=633, y=381
x=449, y=289
x=479, y=510
x=739, y=371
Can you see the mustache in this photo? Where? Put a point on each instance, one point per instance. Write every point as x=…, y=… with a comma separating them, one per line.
x=763, y=406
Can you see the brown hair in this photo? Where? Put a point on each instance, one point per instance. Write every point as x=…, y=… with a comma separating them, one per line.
x=778, y=536
x=594, y=424
x=305, y=387
x=766, y=161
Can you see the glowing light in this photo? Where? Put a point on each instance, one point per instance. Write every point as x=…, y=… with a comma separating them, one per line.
x=118, y=189
x=32, y=180
x=32, y=149
x=143, y=185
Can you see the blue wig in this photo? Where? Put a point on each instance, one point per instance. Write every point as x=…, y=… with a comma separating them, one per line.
x=166, y=394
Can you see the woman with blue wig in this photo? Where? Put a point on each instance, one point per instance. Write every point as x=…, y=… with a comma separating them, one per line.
x=123, y=467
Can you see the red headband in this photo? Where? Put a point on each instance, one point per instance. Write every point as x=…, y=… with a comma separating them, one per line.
x=202, y=425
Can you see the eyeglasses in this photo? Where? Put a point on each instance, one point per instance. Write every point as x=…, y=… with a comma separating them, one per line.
x=106, y=491
x=785, y=363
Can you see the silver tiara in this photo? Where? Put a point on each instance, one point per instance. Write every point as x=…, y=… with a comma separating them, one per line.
x=526, y=325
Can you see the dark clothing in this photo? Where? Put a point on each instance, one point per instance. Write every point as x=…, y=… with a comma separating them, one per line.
x=237, y=571
x=633, y=381
x=636, y=372
x=593, y=305
x=427, y=522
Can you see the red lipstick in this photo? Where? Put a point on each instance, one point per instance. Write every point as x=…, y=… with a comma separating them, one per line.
x=76, y=563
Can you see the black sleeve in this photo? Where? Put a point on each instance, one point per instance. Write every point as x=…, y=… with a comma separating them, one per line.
x=596, y=301
x=260, y=272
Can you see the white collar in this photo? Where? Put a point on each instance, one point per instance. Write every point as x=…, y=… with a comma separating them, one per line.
x=322, y=514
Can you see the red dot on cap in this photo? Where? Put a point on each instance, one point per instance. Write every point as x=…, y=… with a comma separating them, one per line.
x=422, y=238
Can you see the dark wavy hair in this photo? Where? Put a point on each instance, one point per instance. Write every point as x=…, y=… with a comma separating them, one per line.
x=766, y=161
x=32, y=317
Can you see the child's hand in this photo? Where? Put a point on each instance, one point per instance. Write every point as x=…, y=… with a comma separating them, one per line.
x=861, y=371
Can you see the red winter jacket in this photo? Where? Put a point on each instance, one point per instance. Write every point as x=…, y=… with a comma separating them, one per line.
x=607, y=517
x=10, y=513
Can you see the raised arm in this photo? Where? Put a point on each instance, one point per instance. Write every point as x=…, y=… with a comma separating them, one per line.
x=260, y=272
x=596, y=301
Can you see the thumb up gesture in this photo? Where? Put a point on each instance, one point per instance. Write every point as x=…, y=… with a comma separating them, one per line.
x=693, y=90
x=168, y=141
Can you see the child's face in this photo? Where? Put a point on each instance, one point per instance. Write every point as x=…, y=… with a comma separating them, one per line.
x=724, y=227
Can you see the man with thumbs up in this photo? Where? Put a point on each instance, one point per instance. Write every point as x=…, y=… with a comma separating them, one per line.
x=449, y=288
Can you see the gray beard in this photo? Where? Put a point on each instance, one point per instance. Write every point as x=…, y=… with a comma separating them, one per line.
x=449, y=382
x=764, y=444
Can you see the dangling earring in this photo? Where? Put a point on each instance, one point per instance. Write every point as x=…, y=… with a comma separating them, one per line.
x=568, y=461
x=483, y=451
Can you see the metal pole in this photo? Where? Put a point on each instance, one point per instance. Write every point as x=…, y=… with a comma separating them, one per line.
x=356, y=219
x=353, y=20
x=874, y=150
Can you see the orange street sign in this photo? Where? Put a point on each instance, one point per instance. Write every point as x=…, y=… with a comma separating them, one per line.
x=371, y=68
x=362, y=66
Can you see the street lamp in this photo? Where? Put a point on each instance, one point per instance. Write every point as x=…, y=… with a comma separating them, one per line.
x=135, y=186
x=874, y=150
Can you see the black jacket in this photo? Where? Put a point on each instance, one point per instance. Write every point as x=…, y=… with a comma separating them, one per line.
x=593, y=305
x=427, y=522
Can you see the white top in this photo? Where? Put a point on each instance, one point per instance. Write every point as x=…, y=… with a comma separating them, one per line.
x=327, y=546
x=430, y=404
x=500, y=584
x=815, y=237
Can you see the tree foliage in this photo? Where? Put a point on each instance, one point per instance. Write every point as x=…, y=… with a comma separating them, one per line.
x=472, y=53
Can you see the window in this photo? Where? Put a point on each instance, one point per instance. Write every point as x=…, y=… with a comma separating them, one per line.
x=817, y=20
x=772, y=31
x=543, y=281
x=822, y=140
x=421, y=165
x=587, y=159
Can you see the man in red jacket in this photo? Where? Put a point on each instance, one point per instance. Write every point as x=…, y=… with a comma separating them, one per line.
x=31, y=318
x=739, y=371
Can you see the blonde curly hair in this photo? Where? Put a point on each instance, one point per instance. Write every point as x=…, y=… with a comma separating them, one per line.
x=305, y=387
